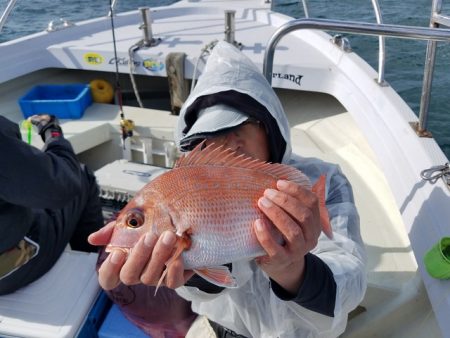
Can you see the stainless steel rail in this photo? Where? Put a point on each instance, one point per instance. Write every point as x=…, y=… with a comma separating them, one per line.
x=398, y=31
x=6, y=12
x=381, y=45
x=12, y=3
x=305, y=8
x=437, y=19
x=112, y=8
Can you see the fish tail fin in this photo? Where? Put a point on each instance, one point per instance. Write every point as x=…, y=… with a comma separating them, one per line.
x=319, y=190
x=182, y=244
x=218, y=275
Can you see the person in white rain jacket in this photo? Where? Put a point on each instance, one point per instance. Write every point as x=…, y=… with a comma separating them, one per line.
x=305, y=286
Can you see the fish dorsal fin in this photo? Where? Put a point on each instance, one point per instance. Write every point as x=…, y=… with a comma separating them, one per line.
x=221, y=156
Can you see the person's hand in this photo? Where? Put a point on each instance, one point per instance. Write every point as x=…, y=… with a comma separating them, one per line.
x=47, y=125
x=145, y=262
x=294, y=211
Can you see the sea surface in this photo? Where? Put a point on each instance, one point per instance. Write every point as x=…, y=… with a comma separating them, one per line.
x=404, y=58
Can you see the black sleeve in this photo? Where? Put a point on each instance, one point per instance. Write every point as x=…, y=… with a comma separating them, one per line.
x=318, y=290
x=33, y=178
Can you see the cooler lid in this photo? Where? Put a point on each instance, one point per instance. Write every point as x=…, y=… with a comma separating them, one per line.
x=55, y=305
x=121, y=179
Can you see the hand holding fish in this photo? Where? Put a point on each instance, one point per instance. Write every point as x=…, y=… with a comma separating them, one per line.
x=148, y=259
x=294, y=211
x=144, y=264
x=109, y=271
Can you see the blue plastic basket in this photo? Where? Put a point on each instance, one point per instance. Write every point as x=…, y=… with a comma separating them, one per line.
x=67, y=101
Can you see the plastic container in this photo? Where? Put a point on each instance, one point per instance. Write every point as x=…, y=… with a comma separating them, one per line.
x=95, y=317
x=67, y=101
x=437, y=259
x=57, y=304
x=116, y=325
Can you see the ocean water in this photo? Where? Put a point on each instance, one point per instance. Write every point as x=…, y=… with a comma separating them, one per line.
x=404, y=58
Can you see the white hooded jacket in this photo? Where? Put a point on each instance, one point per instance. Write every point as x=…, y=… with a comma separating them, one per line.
x=253, y=309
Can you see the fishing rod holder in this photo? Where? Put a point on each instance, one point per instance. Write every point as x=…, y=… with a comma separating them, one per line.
x=230, y=28
x=146, y=26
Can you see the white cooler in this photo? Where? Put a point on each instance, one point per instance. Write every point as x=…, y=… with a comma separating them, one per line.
x=56, y=305
x=121, y=179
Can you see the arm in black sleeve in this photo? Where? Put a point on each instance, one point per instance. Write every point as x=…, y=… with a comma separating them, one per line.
x=33, y=178
x=318, y=290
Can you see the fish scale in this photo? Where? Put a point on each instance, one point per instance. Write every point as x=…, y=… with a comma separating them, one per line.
x=217, y=211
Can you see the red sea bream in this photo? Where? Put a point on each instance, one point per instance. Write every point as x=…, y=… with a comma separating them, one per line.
x=209, y=199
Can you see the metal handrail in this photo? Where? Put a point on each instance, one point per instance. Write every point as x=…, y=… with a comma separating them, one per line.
x=112, y=8
x=305, y=8
x=381, y=45
x=6, y=12
x=437, y=19
x=399, y=31
x=12, y=3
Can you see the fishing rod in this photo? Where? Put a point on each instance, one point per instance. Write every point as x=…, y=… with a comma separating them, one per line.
x=126, y=125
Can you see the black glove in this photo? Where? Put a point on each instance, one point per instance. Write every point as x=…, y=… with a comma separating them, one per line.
x=47, y=126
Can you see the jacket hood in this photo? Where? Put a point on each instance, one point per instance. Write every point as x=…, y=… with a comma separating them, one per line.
x=231, y=78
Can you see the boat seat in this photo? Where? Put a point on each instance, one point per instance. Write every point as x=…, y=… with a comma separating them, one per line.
x=57, y=304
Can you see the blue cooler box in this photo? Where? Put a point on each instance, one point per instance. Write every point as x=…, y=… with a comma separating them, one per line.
x=67, y=101
x=95, y=317
x=116, y=325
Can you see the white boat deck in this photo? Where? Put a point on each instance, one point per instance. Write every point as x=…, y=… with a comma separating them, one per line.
x=322, y=128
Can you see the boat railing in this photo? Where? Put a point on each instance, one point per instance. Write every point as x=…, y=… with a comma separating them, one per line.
x=6, y=12
x=12, y=3
x=381, y=44
x=437, y=20
x=112, y=7
x=431, y=34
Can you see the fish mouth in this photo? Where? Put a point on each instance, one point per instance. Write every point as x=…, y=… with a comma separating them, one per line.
x=110, y=248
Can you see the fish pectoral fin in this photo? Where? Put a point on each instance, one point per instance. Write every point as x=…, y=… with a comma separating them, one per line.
x=182, y=244
x=218, y=275
x=319, y=190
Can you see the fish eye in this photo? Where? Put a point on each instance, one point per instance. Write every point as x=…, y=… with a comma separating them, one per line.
x=135, y=218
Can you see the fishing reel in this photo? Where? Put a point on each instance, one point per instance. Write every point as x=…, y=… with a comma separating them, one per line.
x=127, y=127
